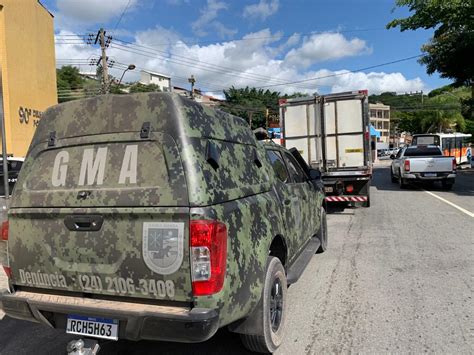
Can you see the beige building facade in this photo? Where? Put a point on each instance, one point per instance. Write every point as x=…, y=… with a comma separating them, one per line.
x=27, y=69
x=380, y=119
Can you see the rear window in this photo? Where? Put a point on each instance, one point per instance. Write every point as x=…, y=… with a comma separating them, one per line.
x=426, y=140
x=422, y=151
x=130, y=173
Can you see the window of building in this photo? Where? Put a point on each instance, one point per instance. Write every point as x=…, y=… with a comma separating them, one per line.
x=379, y=114
x=386, y=114
x=373, y=113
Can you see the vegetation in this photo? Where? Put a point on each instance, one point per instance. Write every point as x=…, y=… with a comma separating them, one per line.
x=138, y=87
x=251, y=104
x=450, y=50
x=442, y=110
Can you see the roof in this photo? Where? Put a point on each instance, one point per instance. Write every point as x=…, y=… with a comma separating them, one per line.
x=156, y=74
x=44, y=7
x=169, y=113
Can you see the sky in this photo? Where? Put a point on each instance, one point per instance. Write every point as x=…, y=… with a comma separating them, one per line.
x=280, y=45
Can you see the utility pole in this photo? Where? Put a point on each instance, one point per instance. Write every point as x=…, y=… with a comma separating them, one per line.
x=105, y=71
x=192, y=80
x=267, y=112
x=4, y=143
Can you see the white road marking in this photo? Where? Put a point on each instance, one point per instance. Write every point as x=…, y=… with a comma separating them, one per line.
x=470, y=214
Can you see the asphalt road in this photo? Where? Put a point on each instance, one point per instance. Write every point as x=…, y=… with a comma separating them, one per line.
x=398, y=278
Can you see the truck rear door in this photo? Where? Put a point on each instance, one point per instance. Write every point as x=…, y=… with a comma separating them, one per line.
x=300, y=127
x=345, y=126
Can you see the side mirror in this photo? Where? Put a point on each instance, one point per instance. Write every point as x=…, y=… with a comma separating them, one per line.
x=392, y=156
x=314, y=174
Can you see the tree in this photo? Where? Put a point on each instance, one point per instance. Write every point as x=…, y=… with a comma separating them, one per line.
x=251, y=103
x=68, y=81
x=450, y=50
x=139, y=87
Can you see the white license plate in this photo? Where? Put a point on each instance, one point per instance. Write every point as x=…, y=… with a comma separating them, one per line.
x=430, y=174
x=328, y=189
x=93, y=327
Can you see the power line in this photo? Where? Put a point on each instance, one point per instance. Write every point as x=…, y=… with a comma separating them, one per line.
x=276, y=36
x=340, y=74
x=187, y=59
x=123, y=13
x=205, y=66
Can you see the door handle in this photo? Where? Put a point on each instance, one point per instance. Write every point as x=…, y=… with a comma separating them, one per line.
x=84, y=223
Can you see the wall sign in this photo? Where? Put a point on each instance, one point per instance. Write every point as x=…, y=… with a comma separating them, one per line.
x=25, y=114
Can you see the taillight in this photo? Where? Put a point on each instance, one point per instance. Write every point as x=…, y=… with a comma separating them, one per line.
x=208, y=256
x=349, y=188
x=4, y=238
x=454, y=164
x=407, y=165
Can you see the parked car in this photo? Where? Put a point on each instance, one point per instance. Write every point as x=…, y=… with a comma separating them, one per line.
x=424, y=163
x=150, y=216
x=14, y=167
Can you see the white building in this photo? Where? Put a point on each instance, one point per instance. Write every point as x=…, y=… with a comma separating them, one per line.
x=149, y=77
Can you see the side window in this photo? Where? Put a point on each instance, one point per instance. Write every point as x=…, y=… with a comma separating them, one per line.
x=295, y=170
x=277, y=164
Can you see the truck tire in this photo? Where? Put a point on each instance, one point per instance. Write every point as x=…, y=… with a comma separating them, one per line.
x=401, y=181
x=393, y=177
x=273, y=306
x=323, y=232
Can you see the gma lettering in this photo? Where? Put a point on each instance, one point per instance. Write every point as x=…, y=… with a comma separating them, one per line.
x=93, y=167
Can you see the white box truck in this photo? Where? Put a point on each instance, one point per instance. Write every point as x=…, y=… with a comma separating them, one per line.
x=332, y=133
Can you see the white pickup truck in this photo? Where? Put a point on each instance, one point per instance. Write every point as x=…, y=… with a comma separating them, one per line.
x=423, y=163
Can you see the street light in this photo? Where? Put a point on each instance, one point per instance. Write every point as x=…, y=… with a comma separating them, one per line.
x=130, y=67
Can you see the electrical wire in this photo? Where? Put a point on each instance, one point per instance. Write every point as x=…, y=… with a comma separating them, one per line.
x=123, y=13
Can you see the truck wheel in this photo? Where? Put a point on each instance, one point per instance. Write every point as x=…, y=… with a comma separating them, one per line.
x=269, y=333
x=323, y=232
x=393, y=177
x=401, y=181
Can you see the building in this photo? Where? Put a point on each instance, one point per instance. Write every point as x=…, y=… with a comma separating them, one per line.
x=204, y=99
x=27, y=69
x=149, y=77
x=380, y=119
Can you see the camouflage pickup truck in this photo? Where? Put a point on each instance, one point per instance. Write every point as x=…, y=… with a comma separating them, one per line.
x=149, y=216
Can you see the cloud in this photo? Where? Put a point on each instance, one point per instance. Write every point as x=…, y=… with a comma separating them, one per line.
x=207, y=20
x=261, y=10
x=326, y=46
x=92, y=11
x=254, y=61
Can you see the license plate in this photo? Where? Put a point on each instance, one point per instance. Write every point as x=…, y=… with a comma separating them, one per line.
x=328, y=189
x=430, y=174
x=93, y=327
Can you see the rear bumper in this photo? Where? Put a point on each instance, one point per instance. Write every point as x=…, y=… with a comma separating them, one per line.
x=346, y=198
x=136, y=321
x=420, y=177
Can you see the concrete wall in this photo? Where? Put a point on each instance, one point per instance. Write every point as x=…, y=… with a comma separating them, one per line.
x=28, y=69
